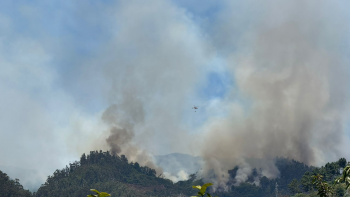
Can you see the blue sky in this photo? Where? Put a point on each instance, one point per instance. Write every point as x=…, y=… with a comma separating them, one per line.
x=244, y=63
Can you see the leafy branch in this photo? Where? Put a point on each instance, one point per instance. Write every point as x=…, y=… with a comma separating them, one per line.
x=345, y=177
x=324, y=189
x=98, y=194
x=202, y=190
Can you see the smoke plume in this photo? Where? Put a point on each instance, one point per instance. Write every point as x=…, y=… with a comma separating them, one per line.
x=290, y=65
x=144, y=64
x=152, y=66
x=122, y=132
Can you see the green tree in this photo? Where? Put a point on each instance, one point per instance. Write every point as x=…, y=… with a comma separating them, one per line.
x=342, y=162
x=339, y=190
x=324, y=189
x=264, y=182
x=9, y=187
x=345, y=177
x=306, y=182
x=83, y=159
x=293, y=186
x=300, y=195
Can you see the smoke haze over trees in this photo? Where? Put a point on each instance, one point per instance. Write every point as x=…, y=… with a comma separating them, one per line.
x=270, y=79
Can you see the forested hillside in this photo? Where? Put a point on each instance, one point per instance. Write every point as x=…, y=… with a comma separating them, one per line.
x=295, y=179
x=115, y=175
x=11, y=188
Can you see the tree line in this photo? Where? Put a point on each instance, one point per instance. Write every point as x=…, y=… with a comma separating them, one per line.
x=119, y=177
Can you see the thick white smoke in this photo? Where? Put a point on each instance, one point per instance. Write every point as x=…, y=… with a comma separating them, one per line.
x=291, y=65
x=153, y=65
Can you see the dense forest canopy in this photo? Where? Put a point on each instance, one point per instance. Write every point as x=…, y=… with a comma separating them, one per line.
x=119, y=177
x=11, y=188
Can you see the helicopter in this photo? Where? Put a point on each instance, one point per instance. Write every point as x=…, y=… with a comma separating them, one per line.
x=195, y=108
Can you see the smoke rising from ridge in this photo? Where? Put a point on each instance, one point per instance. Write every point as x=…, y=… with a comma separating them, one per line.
x=288, y=65
x=280, y=85
x=152, y=65
x=291, y=66
x=122, y=133
x=288, y=62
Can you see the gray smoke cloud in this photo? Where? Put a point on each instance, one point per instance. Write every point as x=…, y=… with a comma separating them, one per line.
x=287, y=60
x=123, y=75
x=122, y=132
x=152, y=65
x=291, y=65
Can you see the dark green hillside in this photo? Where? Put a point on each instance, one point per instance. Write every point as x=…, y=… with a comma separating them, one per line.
x=289, y=170
x=330, y=171
x=295, y=177
x=113, y=174
x=11, y=188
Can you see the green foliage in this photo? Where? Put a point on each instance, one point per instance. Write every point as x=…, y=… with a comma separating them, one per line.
x=339, y=190
x=300, y=195
x=329, y=172
x=98, y=194
x=289, y=170
x=246, y=190
x=306, y=182
x=313, y=194
x=113, y=174
x=202, y=190
x=12, y=188
x=294, y=186
x=264, y=182
x=345, y=177
x=324, y=189
x=342, y=162
x=122, y=178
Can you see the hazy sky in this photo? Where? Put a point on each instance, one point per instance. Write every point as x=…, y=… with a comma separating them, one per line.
x=254, y=68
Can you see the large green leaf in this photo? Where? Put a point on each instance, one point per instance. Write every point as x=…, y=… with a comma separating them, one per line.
x=204, y=187
x=98, y=194
x=95, y=191
x=104, y=194
x=197, y=187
